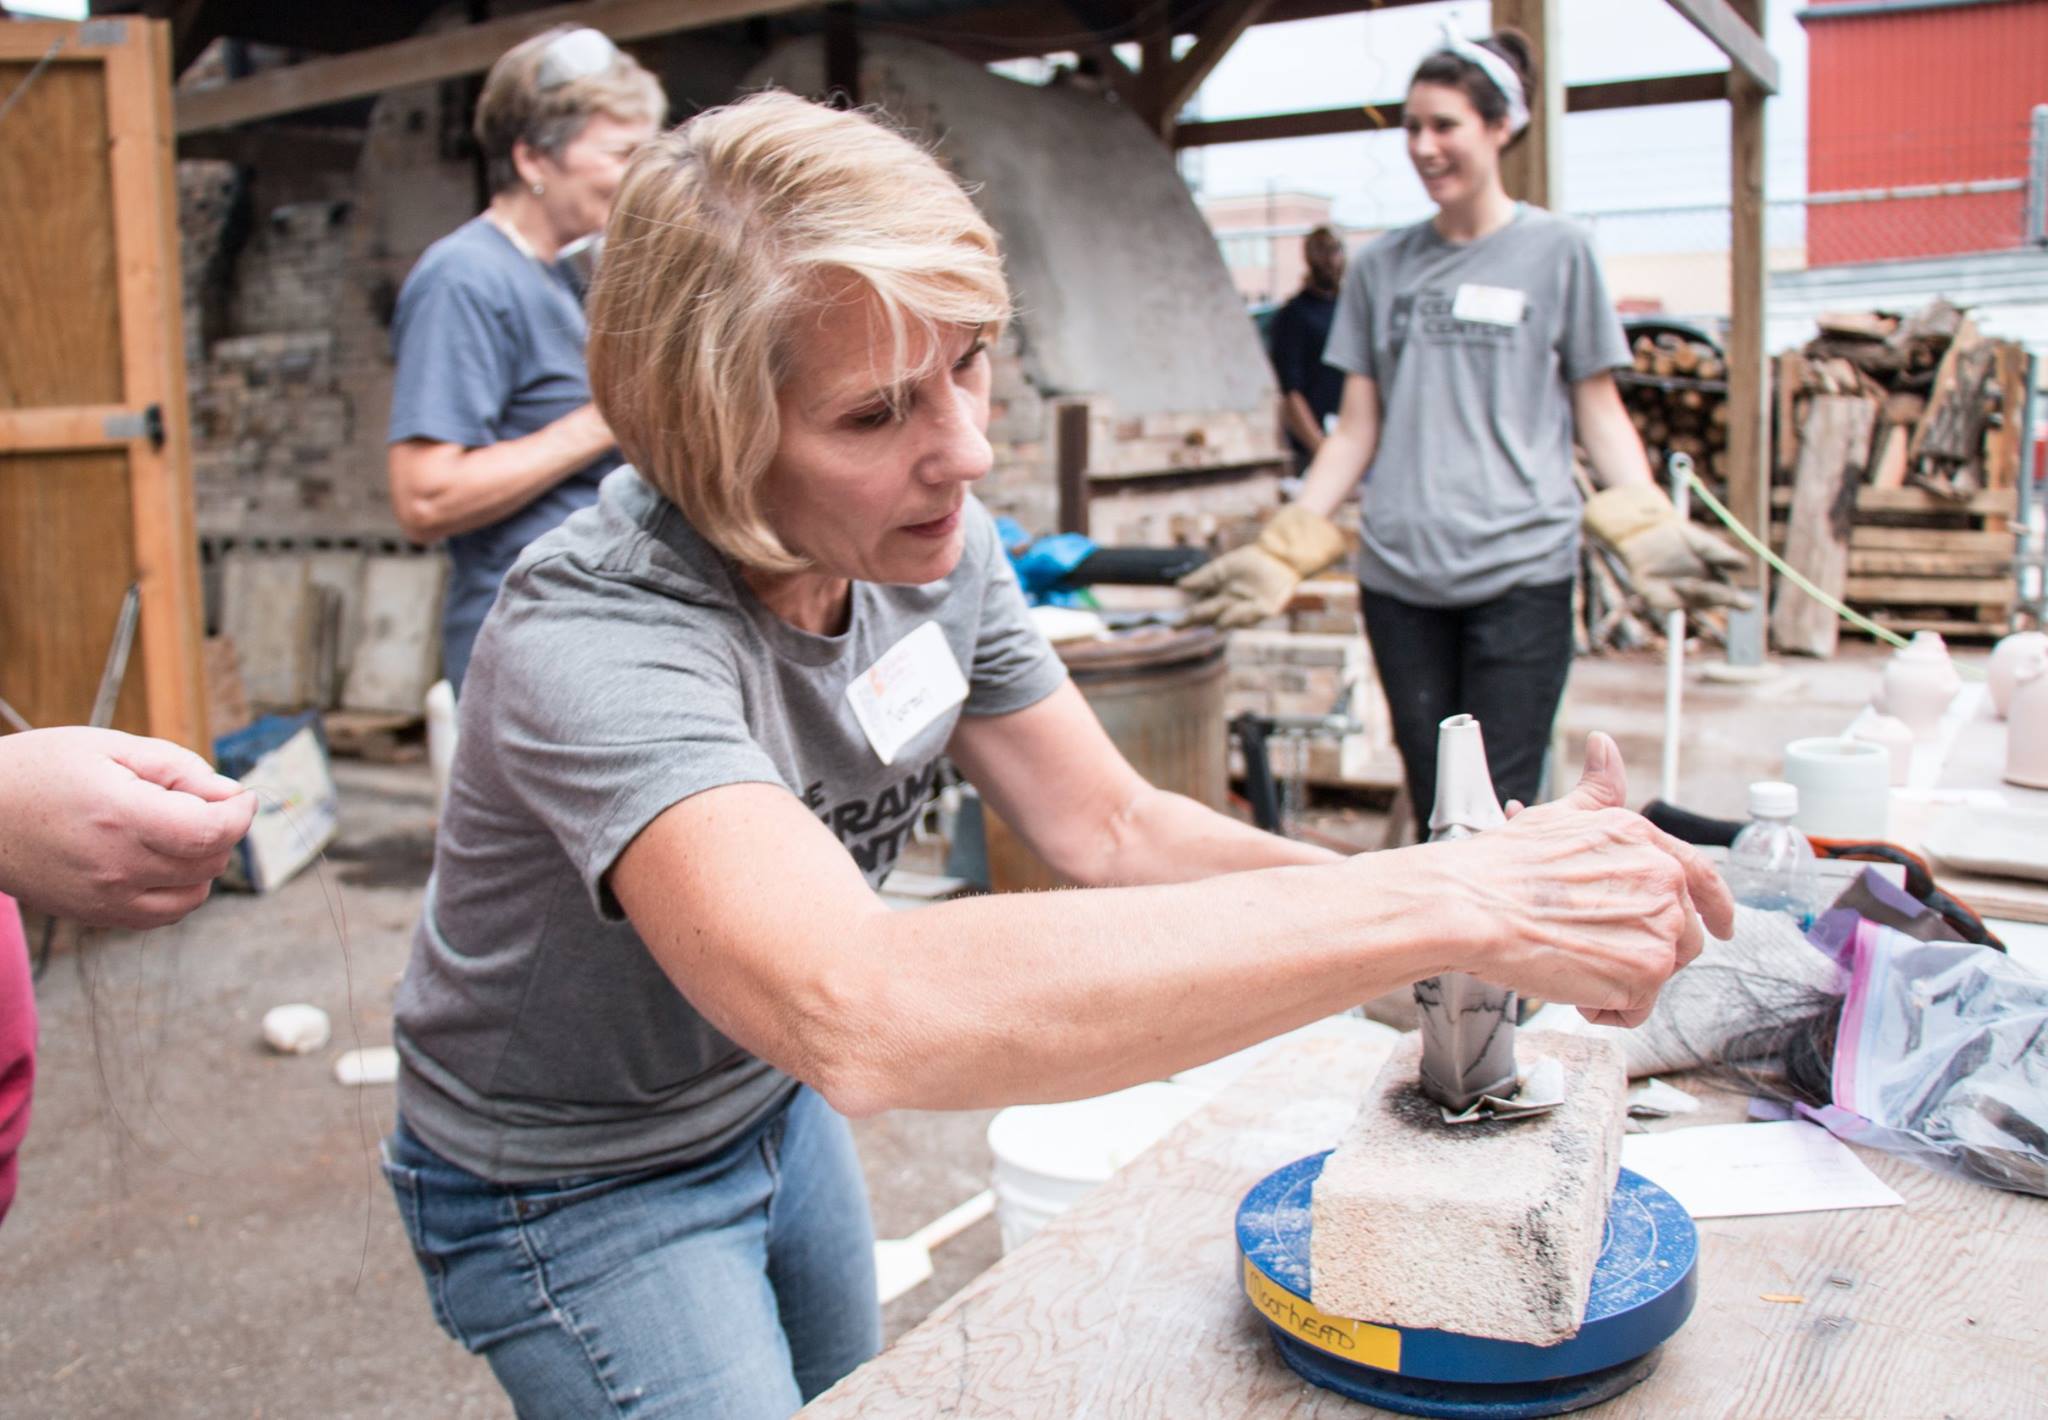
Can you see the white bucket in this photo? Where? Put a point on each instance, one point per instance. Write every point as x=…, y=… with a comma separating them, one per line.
x=1050, y=1156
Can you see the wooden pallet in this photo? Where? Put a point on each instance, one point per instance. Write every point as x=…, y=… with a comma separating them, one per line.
x=1920, y=562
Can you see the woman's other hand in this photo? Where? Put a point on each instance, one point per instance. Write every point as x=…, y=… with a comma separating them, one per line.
x=113, y=830
x=1582, y=900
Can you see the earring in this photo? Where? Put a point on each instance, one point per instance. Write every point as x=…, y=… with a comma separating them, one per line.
x=540, y=189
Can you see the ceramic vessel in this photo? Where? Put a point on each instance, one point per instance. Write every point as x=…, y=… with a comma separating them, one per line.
x=1895, y=736
x=2006, y=657
x=1468, y=1025
x=1844, y=786
x=1919, y=682
x=2026, y=722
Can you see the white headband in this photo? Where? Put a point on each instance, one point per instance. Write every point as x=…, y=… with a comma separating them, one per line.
x=575, y=55
x=1497, y=70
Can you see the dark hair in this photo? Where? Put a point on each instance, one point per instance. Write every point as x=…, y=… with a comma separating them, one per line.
x=1452, y=72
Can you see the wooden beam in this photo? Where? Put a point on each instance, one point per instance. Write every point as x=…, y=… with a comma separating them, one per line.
x=1737, y=33
x=1749, y=420
x=1316, y=123
x=427, y=58
x=1220, y=29
x=66, y=428
x=285, y=149
x=1532, y=170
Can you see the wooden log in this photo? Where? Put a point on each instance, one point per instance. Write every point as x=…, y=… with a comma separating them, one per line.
x=1789, y=382
x=1960, y=541
x=1857, y=325
x=1834, y=447
x=1940, y=432
x=1888, y=467
x=2004, y=444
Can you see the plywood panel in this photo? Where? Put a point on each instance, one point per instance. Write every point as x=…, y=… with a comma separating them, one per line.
x=58, y=607
x=58, y=294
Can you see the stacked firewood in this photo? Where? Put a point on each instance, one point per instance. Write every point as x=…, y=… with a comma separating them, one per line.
x=1896, y=451
x=1947, y=399
x=1677, y=397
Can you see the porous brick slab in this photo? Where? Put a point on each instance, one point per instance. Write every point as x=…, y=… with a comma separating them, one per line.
x=1487, y=1229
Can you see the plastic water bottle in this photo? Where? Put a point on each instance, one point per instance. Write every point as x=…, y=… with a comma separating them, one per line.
x=1771, y=865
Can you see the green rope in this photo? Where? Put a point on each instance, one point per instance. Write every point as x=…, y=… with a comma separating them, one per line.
x=1755, y=544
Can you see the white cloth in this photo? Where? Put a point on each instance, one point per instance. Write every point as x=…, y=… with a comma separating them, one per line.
x=1498, y=70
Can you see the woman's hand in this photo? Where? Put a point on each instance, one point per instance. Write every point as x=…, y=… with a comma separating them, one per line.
x=113, y=830
x=1584, y=901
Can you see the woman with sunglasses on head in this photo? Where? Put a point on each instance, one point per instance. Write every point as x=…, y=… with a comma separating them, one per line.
x=493, y=437
x=1477, y=346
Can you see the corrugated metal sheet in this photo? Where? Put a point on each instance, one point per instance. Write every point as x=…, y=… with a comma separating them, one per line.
x=2007, y=292
x=1922, y=95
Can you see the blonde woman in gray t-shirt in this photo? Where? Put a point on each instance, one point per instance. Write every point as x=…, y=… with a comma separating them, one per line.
x=1477, y=345
x=652, y=973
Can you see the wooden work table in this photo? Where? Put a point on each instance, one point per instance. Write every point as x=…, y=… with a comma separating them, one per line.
x=1130, y=1304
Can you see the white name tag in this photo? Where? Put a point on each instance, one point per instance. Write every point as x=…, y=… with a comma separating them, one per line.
x=1489, y=305
x=916, y=681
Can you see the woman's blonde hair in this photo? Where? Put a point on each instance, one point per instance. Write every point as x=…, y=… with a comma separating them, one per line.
x=725, y=232
x=543, y=90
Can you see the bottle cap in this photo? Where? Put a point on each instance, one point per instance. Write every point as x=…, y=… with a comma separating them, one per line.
x=1770, y=798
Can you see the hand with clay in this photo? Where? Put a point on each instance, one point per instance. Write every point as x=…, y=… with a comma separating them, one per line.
x=1587, y=901
x=1253, y=582
x=113, y=830
x=1674, y=564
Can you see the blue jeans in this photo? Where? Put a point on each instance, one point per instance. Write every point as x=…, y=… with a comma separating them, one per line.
x=741, y=1286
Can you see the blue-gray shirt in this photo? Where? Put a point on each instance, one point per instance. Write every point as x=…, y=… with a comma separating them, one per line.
x=1474, y=347
x=489, y=344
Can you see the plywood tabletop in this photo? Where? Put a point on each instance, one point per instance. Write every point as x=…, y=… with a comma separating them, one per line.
x=1130, y=1304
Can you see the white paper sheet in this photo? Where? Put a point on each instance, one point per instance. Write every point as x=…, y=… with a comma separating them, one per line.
x=1732, y=1170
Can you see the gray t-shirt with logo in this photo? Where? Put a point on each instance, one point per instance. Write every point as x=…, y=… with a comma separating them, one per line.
x=625, y=668
x=1474, y=347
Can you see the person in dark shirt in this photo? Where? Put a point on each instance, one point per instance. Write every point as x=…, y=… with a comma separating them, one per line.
x=1309, y=390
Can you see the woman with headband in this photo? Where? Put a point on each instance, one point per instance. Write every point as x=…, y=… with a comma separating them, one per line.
x=1477, y=345
x=493, y=438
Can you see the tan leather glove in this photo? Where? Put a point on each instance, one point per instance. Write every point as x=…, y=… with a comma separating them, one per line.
x=1675, y=565
x=1255, y=581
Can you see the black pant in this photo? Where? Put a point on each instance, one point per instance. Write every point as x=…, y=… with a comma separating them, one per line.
x=1502, y=661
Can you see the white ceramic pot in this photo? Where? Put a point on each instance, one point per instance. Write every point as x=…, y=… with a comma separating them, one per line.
x=2006, y=657
x=2026, y=723
x=1919, y=682
x=1896, y=737
x=1845, y=786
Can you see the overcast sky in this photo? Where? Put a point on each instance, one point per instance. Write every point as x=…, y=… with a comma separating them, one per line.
x=1632, y=158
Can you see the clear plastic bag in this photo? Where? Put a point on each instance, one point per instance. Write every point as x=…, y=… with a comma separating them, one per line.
x=1942, y=1055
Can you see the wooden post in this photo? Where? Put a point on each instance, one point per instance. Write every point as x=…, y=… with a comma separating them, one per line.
x=1531, y=169
x=1070, y=439
x=1749, y=430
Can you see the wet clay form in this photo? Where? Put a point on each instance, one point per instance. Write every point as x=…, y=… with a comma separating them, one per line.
x=1919, y=682
x=2002, y=675
x=1468, y=1026
x=1489, y=1229
x=2026, y=721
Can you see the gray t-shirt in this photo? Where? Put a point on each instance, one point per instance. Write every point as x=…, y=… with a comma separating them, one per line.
x=1474, y=347
x=489, y=347
x=625, y=668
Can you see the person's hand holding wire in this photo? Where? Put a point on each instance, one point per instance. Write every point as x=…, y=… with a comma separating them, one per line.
x=113, y=830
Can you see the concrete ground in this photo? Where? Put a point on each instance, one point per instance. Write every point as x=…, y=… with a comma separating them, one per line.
x=200, y=1230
